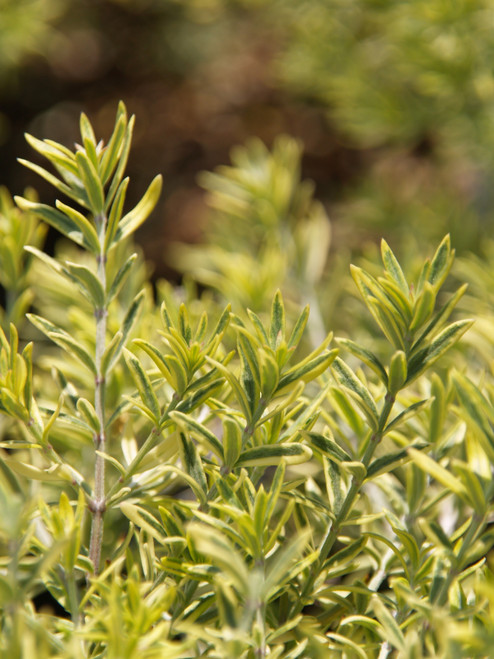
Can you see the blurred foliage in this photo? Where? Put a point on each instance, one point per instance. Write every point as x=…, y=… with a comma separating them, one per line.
x=406, y=88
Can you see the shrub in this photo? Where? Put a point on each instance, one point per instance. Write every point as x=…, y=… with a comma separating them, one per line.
x=188, y=480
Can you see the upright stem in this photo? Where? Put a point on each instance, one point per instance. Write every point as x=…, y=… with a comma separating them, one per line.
x=341, y=517
x=98, y=503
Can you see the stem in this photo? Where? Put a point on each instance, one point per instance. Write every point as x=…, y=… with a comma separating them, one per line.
x=98, y=504
x=347, y=505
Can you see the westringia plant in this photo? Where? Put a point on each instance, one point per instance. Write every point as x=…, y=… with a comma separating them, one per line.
x=193, y=482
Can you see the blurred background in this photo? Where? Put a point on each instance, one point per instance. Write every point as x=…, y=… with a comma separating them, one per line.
x=393, y=103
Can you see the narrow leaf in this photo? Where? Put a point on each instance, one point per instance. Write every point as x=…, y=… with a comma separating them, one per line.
x=88, y=412
x=143, y=385
x=367, y=357
x=442, y=475
x=393, y=268
x=112, y=151
x=192, y=463
x=299, y=328
x=83, y=224
x=122, y=163
x=116, y=213
x=63, y=339
x=272, y=454
x=62, y=187
x=89, y=282
x=200, y=431
x=132, y=220
x=441, y=263
x=54, y=218
x=92, y=183
x=346, y=377
x=277, y=329
x=438, y=346
x=126, y=328
x=120, y=278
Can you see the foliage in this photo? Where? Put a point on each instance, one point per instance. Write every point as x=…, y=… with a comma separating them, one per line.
x=189, y=479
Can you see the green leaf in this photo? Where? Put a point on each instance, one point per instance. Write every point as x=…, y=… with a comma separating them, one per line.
x=440, y=317
x=327, y=446
x=112, y=151
x=143, y=385
x=126, y=328
x=120, y=278
x=87, y=132
x=279, y=571
x=387, y=321
x=397, y=372
x=170, y=367
x=347, y=378
x=367, y=357
x=235, y=385
x=340, y=640
x=272, y=454
x=92, y=183
x=440, y=474
x=423, y=307
x=424, y=358
x=357, y=469
x=111, y=353
x=148, y=523
x=121, y=163
x=64, y=340
x=232, y=442
x=61, y=157
x=88, y=412
x=341, y=401
x=299, y=328
x=220, y=551
x=349, y=552
x=51, y=421
x=307, y=370
x=132, y=220
x=54, y=218
x=441, y=263
x=48, y=260
x=13, y=407
x=386, y=463
x=32, y=472
x=65, y=189
x=277, y=328
x=478, y=410
x=199, y=396
x=393, y=268
x=406, y=414
x=204, y=435
x=473, y=486
x=116, y=213
x=192, y=463
x=391, y=631
x=269, y=374
x=259, y=327
x=27, y=355
x=438, y=410
x=385, y=310
x=83, y=224
x=89, y=282
x=401, y=302
x=249, y=350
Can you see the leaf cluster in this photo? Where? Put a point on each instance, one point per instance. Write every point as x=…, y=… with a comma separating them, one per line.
x=189, y=480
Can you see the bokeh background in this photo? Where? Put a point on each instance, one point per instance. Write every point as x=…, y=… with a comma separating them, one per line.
x=393, y=102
